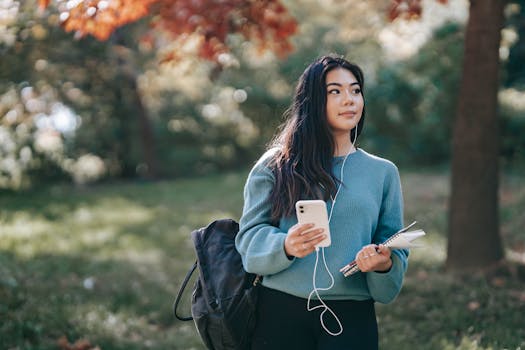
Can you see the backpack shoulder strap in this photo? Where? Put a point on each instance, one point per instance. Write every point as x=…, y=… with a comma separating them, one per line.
x=181, y=291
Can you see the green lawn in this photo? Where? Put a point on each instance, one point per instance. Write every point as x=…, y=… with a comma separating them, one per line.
x=104, y=264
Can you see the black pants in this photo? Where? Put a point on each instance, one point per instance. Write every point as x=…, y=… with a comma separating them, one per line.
x=283, y=323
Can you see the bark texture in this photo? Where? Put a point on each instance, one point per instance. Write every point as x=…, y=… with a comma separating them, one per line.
x=474, y=240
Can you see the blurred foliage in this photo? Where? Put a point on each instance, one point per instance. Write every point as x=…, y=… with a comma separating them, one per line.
x=69, y=97
x=412, y=103
x=515, y=35
x=69, y=108
x=512, y=97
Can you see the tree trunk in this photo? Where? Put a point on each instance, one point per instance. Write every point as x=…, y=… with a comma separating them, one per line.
x=474, y=241
x=147, y=138
x=127, y=72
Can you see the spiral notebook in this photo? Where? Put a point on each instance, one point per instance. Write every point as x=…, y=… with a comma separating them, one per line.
x=400, y=240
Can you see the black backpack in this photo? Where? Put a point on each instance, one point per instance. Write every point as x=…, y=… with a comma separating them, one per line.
x=224, y=296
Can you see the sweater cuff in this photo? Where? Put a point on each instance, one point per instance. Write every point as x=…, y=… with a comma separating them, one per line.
x=282, y=259
x=385, y=286
x=393, y=271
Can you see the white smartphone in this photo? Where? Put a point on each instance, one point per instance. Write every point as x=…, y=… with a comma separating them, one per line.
x=314, y=212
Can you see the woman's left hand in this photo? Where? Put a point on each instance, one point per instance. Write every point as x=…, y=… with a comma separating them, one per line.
x=374, y=258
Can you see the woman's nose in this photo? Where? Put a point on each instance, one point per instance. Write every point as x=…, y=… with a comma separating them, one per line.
x=348, y=98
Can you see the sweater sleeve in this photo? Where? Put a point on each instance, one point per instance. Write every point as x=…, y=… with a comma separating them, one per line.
x=385, y=286
x=260, y=244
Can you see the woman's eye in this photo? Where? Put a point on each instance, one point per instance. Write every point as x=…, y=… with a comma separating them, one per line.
x=333, y=91
x=357, y=91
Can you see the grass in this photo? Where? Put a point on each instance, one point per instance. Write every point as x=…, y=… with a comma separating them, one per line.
x=104, y=264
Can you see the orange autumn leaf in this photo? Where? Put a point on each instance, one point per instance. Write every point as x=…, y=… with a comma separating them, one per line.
x=100, y=18
x=42, y=4
x=267, y=23
x=407, y=9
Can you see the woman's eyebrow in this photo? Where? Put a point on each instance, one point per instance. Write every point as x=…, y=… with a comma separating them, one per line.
x=339, y=84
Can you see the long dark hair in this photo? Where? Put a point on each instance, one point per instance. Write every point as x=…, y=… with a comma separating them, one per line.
x=303, y=164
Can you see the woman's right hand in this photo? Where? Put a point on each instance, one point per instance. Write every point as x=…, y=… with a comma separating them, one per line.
x=302, y=239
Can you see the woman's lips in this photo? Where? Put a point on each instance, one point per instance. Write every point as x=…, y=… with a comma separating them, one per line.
x=348, y=114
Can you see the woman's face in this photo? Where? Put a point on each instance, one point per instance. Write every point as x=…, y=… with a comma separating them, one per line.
x=344, y=101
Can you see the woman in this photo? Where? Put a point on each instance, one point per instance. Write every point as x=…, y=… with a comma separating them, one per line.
x=315, y=157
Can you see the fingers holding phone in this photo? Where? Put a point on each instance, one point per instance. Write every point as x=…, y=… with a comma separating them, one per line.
x=302, y=239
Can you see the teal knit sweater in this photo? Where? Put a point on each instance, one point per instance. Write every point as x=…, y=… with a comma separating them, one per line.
x=369, y=209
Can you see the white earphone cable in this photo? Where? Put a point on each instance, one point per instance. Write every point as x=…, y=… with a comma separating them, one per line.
x=332, y=281
x=323, y=304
